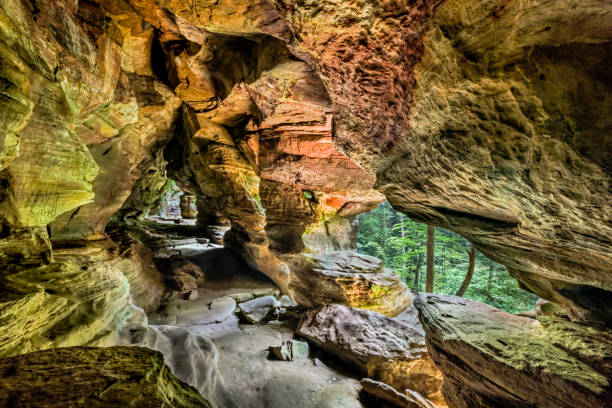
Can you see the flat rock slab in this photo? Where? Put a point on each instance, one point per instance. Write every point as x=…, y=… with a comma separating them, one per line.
x=389, y=394
x=255, y=380
x=259, y=309
x=181, y=312
x=93, y=377
x=494, y=359
x=380, y=347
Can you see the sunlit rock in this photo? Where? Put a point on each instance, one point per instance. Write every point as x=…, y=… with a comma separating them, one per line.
x=81, y=298
x=347, y=278
x=491, y=358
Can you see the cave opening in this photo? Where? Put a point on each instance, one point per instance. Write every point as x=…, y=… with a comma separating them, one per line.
x=402, y=246
x=174, y=205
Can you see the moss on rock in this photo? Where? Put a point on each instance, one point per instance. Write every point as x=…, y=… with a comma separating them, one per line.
x=93, y=377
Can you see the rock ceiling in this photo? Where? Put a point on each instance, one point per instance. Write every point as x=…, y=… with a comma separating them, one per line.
x=286, y=119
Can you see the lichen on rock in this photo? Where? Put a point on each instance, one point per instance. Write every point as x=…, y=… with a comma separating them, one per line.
x=491, y=358
x=93, y=377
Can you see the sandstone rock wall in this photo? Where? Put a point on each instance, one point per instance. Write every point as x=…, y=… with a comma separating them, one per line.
x=81, y=298
x=487, y=118
x=93, y=377
x=508, y=107
x=97, y=94
x=491, y=358
x=286, y=119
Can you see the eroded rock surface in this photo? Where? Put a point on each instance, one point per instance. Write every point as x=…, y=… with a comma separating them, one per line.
x=348, y=278
x=379, y=347
x=491, y=358
x=81, y=298
x=93, y=377
x=507, y=145
x=285, y=119
x=193, y=359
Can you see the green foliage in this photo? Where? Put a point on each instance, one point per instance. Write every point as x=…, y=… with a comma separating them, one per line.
x=309, y=195
x=401, y=244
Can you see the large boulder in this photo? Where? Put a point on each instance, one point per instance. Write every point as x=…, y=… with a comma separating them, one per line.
x=193, y=359
x=349, y=278
x=93, y=377
x=493, y=359
x=376, y=345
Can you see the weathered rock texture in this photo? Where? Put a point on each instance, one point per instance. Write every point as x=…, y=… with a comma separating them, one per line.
x=347, y=278
x=491, y=358
x=93, y=377
x=488, y=118
x=379, y=347
x=81, y=298
x=287, y=118
x=508, y=143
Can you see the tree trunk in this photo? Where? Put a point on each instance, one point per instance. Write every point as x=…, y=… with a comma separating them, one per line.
x=403, y=244
x=490, y=277
x=470, y=272
x=418, y=268
x=444, y=244
x=429, y=283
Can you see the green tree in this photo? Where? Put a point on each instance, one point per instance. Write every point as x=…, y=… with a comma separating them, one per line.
x=401, y=244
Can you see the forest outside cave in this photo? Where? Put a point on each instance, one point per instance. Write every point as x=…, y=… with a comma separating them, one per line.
x=401, y=244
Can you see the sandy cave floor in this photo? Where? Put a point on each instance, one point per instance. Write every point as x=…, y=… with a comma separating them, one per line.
x=246, y=370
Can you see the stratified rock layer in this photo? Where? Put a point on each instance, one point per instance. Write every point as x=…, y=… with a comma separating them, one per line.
x=379, y=347
x=81, y=298
x=509, y=145
x=493, y=359
x=93, y=377
x=283, y=118
x=347, y=278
